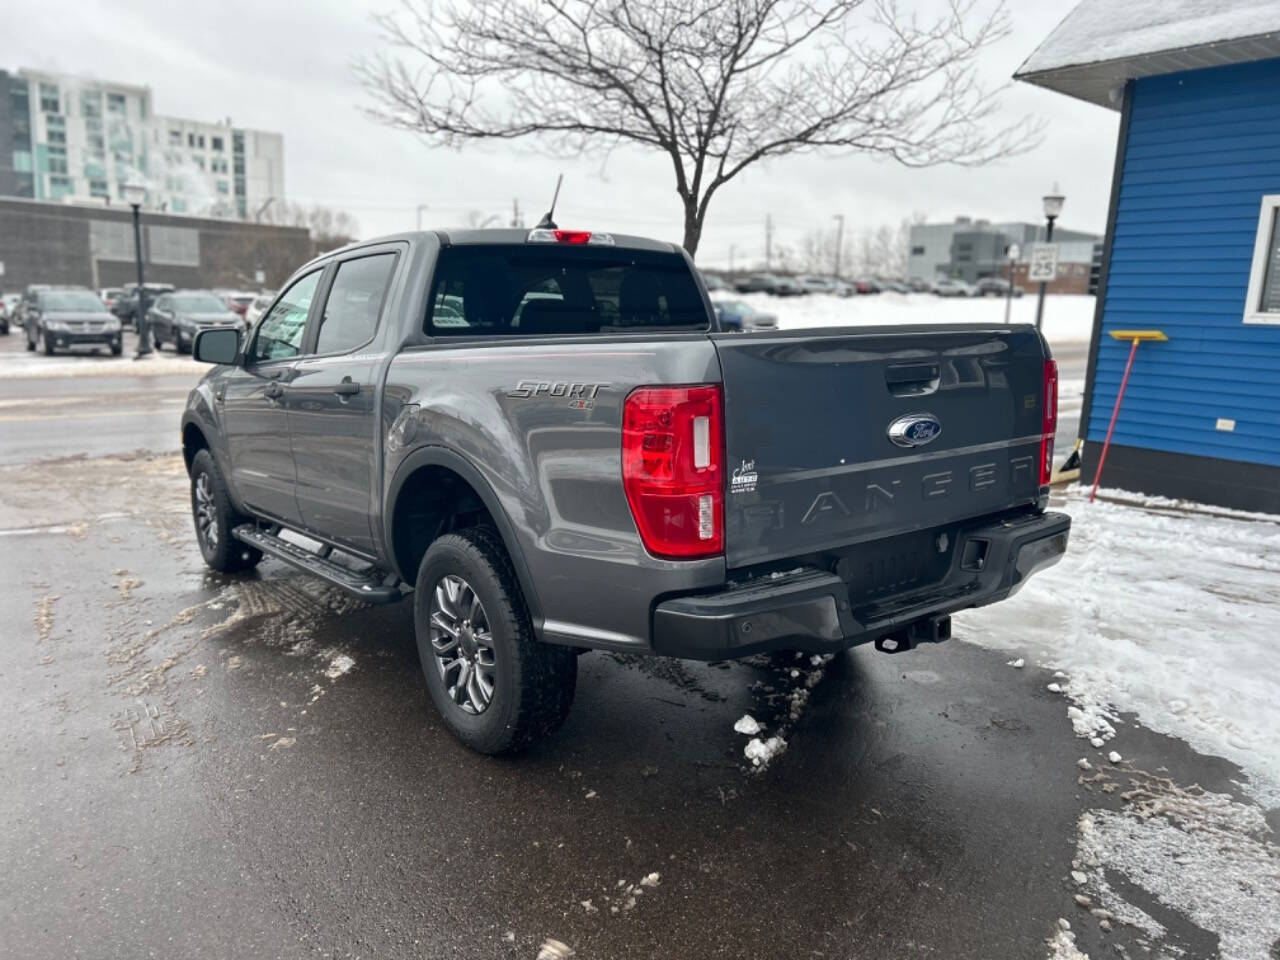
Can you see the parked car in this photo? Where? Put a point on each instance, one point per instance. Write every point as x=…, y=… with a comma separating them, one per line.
x=714, y=283
x=177, y=317
x=736, y=315
x=8, y=311
x=995, y=287
x=756, y=283
x=126, y=307
x=60, y=318
x=743, y=503
x=236, y=300
x=894, y=286
x=788, y=287
x=110, y=295
x=817, y=284
x=946, y=287
x=258, y=307
x=919, y=286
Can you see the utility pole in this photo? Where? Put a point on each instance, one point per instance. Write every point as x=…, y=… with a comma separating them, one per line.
x=517, y=221
x=768, y=241
x=732, y=249
x=839, y=218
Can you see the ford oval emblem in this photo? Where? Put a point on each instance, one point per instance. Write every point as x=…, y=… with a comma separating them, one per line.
x=915, y=429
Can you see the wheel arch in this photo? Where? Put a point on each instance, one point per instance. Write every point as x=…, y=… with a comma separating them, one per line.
x=427, y=462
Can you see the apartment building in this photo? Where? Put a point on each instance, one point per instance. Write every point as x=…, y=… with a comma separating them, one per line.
x=75, y=140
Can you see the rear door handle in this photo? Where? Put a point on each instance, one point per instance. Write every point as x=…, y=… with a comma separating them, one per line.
x=347, y=388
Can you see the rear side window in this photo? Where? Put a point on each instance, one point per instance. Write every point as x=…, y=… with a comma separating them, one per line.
x=351, y=311
x=532, y=290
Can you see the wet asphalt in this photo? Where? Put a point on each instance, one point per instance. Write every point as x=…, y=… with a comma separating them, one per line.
x=209, y=766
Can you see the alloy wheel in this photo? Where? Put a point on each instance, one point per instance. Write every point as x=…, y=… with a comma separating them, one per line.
x=462, y=644
x=206, y=512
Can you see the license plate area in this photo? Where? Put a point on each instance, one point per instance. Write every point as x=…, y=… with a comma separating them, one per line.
x=882, y=568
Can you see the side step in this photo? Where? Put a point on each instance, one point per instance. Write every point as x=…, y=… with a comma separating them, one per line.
x=369, y=587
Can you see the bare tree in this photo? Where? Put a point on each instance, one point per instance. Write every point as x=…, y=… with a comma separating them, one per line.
x=716, y=85
x=329, y=228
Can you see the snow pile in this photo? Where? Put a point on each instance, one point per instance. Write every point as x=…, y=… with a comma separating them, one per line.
x=25, y=366
x=1201, y=854
x=1067, y=319
x=747, y=724
x=338, y=666
x=1062, y=945
x=760, y=752
x=1174, y=617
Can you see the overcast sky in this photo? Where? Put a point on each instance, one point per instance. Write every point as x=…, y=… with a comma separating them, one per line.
x=286, y=67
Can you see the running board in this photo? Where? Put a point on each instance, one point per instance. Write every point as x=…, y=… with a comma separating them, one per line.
x=369, y=587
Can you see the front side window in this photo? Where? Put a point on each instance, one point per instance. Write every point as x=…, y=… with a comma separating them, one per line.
x=535, y=289
x=1262, y=301
x=355, y=300
x=279, y=334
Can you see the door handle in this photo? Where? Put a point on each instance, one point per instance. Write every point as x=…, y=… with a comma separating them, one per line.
x=347, y=388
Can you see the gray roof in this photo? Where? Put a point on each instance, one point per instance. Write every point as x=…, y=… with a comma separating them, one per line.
x=1102, y=43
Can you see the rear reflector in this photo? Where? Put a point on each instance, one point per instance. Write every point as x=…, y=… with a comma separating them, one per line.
x=576, y=237
x=1050, y=420
x=672, y=469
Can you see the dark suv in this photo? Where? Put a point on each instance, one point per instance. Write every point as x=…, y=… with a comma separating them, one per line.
x=58, y=318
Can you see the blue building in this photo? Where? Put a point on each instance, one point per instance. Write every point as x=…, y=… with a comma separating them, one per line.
x=1192, y=245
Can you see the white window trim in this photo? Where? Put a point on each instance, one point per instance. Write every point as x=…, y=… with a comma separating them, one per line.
x=1257, y=273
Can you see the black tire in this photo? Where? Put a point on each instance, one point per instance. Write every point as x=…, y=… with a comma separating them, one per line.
x=220, y=550
x=180, y=345
x=45, y=345
x=31, y=344
x=117, y=348
x=533, y=682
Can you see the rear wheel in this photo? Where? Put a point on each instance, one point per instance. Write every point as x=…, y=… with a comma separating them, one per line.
x=45, y=346
x=497, y=687
x=215, y=518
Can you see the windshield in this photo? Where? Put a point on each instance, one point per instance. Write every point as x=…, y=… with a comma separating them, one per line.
x=530, y=290
x=73, y=301
x=199, y=303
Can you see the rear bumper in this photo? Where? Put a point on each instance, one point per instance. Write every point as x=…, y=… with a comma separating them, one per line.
x=810, y=609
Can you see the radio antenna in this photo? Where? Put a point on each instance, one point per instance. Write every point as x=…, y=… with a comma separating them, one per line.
x=547, y=223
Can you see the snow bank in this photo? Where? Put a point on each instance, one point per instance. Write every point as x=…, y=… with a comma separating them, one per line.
x=1067, y=319
x=24, y=366
x=1174, y=617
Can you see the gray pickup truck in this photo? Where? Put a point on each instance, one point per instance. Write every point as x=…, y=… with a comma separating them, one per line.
x=545, y=439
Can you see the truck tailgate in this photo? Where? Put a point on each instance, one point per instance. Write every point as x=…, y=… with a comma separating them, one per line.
x=808, y=422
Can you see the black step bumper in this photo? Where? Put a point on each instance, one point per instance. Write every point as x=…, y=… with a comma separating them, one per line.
x=810, y=609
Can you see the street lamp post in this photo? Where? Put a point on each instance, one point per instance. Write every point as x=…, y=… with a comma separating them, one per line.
x=134, y=195
x=839, y=219
x=1052, y=208
x=1012, y=254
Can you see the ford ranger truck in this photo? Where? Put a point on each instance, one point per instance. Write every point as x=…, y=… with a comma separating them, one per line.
x=544, y=440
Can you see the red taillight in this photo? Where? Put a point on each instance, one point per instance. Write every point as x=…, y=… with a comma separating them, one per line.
x=572, y=236
x=673, y=468
x=1050, y=420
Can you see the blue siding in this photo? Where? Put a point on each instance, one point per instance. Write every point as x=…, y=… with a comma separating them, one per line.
x=1203, y=148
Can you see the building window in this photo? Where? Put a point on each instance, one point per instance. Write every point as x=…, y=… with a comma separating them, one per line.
x=224, y=188
x=60, y=187
x=115, y=103
x=57, y=165
x=215, y=143
x=55, y=121
x=111, y=239
x=175, y=138
x=1262, y=303
x=58, y=136
x=91, y=104
x=49, y=98
x=22, y=161
x=98, y=188
x=198, y=161
x=917, y=251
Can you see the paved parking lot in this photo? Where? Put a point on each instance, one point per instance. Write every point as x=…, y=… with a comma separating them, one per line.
x=201, y=765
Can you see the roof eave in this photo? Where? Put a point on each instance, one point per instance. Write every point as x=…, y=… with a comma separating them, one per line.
x=1096, y=82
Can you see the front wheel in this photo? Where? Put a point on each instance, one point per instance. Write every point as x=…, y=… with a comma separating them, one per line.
x=497, y=687
x=45, y=346
x=215, y=517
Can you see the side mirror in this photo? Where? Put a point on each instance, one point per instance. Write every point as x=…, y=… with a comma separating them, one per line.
x=216, y=346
